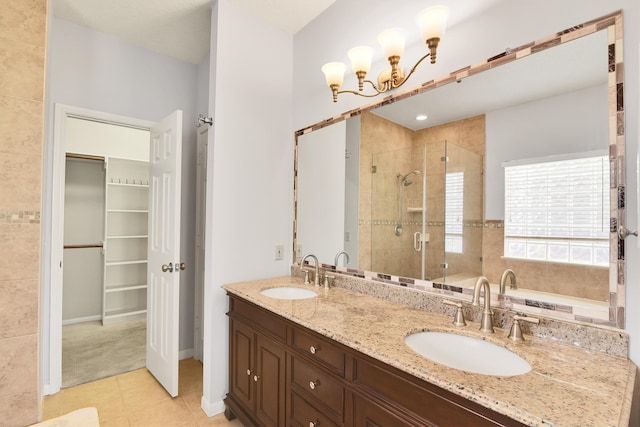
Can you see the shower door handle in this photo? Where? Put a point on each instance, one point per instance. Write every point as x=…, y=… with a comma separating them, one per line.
x=417, y=241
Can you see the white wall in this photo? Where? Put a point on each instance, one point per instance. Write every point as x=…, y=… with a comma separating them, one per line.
x=508, y=23
x=250, y=171
x=83, y=225
x=100, y=72
x=321, y=195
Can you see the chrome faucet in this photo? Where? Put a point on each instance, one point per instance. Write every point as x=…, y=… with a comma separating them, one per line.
x=486, y=324
x=508, y=273
x=316, y=277
x=346, y=257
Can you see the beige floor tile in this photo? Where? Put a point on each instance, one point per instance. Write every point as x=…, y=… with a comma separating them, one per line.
x=219, y=421
x=172, y=412
x=190, y=377
x=135, y=379
x=95, y=388
x=109, y=405
x=136, y=397
x=122, y=421
x=192, y=399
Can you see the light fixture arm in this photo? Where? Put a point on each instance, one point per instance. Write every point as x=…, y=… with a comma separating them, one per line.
x=392, y=83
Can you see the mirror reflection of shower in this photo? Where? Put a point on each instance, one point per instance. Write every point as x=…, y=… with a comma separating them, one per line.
x=403, y=181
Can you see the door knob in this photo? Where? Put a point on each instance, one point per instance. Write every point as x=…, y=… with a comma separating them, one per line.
x=182, y=265
x=168, y=268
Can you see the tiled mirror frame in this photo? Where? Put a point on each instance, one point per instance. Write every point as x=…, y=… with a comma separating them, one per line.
x=613, y=24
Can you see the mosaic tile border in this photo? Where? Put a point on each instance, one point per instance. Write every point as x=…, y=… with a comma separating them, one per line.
x=613, y=24
x=20, y=217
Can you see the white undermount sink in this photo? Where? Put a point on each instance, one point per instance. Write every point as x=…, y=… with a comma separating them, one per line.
x=467, y=354
x=289, y=292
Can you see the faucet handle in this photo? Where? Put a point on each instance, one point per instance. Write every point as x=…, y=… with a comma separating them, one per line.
x=458, y=318
x=327, y=284
x=306, y=276
x=515, y=334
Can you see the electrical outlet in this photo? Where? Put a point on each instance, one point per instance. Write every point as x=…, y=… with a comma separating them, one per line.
x=279, y=254
x=299, y=251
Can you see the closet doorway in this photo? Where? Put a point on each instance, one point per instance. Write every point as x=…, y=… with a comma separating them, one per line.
x=124, y=293
x=105, y=250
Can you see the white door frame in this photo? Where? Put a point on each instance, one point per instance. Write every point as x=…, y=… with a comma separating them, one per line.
x=53, y=231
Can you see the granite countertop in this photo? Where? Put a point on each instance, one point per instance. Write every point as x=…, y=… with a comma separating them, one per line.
x=567, y=386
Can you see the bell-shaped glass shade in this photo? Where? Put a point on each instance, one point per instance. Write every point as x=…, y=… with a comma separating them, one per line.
x=392, y=42
x=432, y=22
x=334, y=73
x=360, y=57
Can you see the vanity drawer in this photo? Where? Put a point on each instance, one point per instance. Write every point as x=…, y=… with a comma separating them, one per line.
x=319, y=349
x=319, y=384
x=259, y=318
x=303, y=414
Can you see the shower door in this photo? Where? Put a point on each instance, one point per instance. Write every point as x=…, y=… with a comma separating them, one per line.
x=398, y=212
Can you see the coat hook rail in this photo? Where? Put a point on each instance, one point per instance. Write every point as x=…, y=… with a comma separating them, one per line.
x=202, y=119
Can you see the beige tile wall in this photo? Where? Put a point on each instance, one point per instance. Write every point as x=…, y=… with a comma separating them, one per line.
x=395, y=149
x=22, y=65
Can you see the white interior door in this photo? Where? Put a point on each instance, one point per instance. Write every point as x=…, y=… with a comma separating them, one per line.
x=164, y=265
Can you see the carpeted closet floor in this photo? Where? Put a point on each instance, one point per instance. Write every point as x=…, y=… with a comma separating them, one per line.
x=91, y=351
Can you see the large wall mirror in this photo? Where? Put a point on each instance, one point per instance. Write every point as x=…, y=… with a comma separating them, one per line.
x=519, y=165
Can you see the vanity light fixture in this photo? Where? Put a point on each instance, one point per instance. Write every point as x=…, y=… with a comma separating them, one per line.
x=431, y=21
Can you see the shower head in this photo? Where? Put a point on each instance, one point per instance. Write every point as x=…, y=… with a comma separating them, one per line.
x=404, y=181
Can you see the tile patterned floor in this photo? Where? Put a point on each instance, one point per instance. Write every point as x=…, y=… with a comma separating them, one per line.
x=136, y=399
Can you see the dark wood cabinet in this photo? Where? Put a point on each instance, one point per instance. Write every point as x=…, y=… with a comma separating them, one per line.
x=282, y=374
x=257, y=365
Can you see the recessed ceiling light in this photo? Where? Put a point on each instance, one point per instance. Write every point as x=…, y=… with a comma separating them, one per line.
x=421, y=117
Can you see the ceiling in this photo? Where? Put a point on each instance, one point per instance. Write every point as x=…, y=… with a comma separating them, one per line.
x=178, y=28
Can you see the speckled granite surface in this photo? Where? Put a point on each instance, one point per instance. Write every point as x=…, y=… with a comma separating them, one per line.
x=568, y=385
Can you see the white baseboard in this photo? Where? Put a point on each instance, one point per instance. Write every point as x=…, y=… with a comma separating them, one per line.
x=186, y=354
x=81, y=320
x=212, y=409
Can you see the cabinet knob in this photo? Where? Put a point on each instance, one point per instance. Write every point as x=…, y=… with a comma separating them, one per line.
x=313, y=424
x=256, y=378
x=313, y=349
x=249, y=372
x=314, y=384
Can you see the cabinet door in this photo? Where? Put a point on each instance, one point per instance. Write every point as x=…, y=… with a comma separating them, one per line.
x=241, y=363
x=270, y=382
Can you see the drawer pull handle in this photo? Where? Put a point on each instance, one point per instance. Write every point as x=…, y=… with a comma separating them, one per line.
x=314, y=384
x=249, y=372
x=313, y=424
x=256, y=378
x=313, y=349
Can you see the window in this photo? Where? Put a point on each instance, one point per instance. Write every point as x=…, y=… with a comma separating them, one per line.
x=453, y=214
x=558, y=211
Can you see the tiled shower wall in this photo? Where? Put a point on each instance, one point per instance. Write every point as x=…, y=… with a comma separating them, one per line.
x=22, y=70
x=395, y=149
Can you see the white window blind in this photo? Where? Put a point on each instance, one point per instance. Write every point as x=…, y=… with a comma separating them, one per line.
x=558, y=211
x=454, y=211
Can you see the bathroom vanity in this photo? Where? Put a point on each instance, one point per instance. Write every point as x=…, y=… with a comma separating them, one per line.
x=339, y=359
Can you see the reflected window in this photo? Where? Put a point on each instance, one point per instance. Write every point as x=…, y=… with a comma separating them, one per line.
x=558, y=211
x=454, y=210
